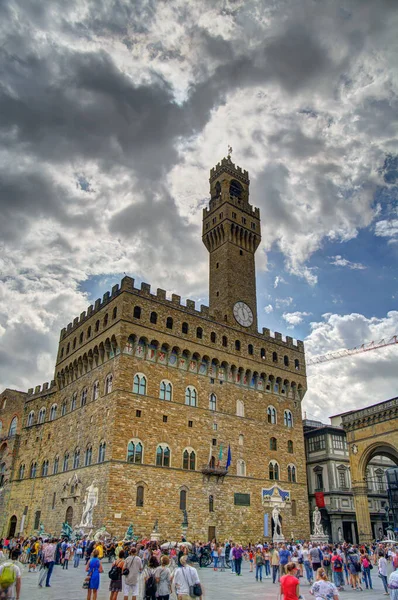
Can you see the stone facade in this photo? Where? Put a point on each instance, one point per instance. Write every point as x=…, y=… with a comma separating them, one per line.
x=148, y=395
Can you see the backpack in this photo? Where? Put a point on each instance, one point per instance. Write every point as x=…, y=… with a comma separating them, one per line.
x=326, y=561
x=150, y=587
x=115, y=572
x=7, y=576
x=338, y=563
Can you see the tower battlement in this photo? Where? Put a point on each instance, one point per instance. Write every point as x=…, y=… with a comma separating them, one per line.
x=226, y=165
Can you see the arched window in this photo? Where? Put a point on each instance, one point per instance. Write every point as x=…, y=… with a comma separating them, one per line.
x=65, y=466
x=95, y=390
x=290, y=446
x=53, y=412
x=274, y=470
x=166, y=390
x=101, y=452
x=106, y=320
x=288, y=418
x=211, y=503
x=271, y=415
x=169, y=323
x=241, y=467
x=74, y=400
x=44, y=469
x=296, y=364
x=241, y=439
x=183, y=499
x=274, y=357
x=74, y=343
x=21, y=473
x=114, y=313
x=250, y=349
x=262, y=353
x=89, y=333
x=213, y=337
x=139, y=386
x=108, y=383
x=63, y=408
x=56, y=465
x=286, y=361
x=139, y=501
x=240, y=408
x=235, y=189
x=294, y=509
x=81, y=337
x=199, y=333
x=137, y=312
x=184, y=328
x=162, y=456
x=189, y=459
x=76, y=459
x=191, y=396
x=273, y=444
x=67, y=348
x=224, y=341
x=153, y=318
x=83, y=400
x=237, y=345
x=33, y=469
x=97, y=326
x=291, y=473
x=134, y=452
x=42, y=415
x=31, y=418
x=2, y=474
x=88, y=456
x=213, y=402
x=62, y=352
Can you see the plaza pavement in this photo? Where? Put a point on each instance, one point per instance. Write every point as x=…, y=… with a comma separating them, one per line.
x=67, y=585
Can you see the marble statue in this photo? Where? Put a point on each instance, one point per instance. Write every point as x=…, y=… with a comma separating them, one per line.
x=277, y=522
x=90, y=502
x=339, y=534
x=316, y=520
x=66, y=530
x=156, y=526
x=102, y=534
x=390, y=534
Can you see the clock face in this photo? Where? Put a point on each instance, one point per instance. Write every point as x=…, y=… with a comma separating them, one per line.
x=243, y=314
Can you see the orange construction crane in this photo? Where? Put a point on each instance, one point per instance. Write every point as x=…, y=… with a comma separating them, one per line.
x=316, y=360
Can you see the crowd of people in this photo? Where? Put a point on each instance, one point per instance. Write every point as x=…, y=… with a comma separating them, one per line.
x=150, y=570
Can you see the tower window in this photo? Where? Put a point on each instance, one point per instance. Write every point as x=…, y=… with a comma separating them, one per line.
x=89, y=332
x=296, y=364
x=253, y=225
x=199, y=333
x=237, y=345
x=213, y=337
x=207, y=226
x=243, y=220
x=137, y=312
x=184, y=328
x=234, y=215
x=81, y=338
x=286, y=361
x=169, y=323
x=106, y=320
x=274, y=357
x=74, y=343
x=224, y=341
x=235, y=189
x=241, y=252
x=262, y=353
x=114, y=314
x=221, y=215
x=214, y=220
x=217, y=294
x=153, y=318
x=164, y=418
x=217, y=265
x=190, y=423
x=97, y=325
x=250, y=349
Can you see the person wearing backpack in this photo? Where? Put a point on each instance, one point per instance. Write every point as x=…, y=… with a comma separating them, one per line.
x=337, y=568
x=150, y=573
x=115, y=575
x=365, y=564
x=133, y=565
x=354, y=566
x=185, y=577
x=10, y=578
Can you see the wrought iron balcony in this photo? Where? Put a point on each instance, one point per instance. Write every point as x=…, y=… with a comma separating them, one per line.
x=210, y=470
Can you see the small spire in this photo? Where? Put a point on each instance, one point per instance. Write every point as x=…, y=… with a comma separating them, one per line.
x=229, y=151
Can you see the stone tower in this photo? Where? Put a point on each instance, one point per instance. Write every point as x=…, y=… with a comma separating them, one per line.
x=231, y=234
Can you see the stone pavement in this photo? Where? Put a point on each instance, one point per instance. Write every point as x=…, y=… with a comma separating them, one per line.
x=67, y=585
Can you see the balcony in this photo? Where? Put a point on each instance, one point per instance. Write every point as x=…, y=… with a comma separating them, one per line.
x=213, y=471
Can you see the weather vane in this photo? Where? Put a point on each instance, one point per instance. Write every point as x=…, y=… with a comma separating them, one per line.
x=229, y=151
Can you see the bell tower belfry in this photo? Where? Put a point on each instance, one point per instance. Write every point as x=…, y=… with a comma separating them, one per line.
x=231, y=234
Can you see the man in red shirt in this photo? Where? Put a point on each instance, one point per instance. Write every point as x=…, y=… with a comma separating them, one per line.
x=337, y=568
x=290, y=584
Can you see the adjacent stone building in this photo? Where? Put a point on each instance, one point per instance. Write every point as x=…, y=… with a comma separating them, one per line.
x=151, y=395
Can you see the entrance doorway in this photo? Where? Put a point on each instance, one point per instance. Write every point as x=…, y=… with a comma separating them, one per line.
x=69, y=515
x=13, y=527
x=212, y=534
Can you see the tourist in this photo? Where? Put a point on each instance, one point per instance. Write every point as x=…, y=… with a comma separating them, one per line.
x=337, y=569
x=237, y=553
x=67, y=556
x=275, y=564
x=163, y=579
x=267, y=562
x=354, y=566
x=307, y=564
x=316, y=558
x=214, y=554
x=116, y=571
x=133, y=564
x=33, y=555
x=184, y=577
x=232, y=558
x=284, y=559
x=77, y=555
x=221, y=557
x=327, y=562
x=366, y=565
x=290, y=585
x=323, y=588
x=48, y=561
x=259, y=564
x=10, y=577
x=383, y=571
x=251, y=559
x=150, y=572
x=94, y=568
x=393, y=583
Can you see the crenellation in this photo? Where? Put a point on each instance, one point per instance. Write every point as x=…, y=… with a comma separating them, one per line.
x=30, y=391
x=97, y=304
x=266, y=332
x=278, y=336
x=75, y=322
x=115, y=289
x=146, y=288
x=300, y=345
x=176, y=299
x=190, y=304
x=37, y=389
x=105, y=298
x=82, y=316
x=127, y=283
x=45, y=386
x=69, y=328
x=204, y=310
x=289, y=341
x=90, y=310
x=161, y=294
x=63, y=333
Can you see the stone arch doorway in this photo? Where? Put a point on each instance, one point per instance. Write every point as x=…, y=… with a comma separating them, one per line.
x=13, y=527
x=371, y=432
x=69, y=515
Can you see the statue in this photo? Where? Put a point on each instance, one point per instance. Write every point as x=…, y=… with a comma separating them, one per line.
x=316, y=519
x=90, y=502
x=66, y=530
x=277, y=522
x=339, y=534
x=102, y=534
x=130, y=537
x=156, y=526
x=390, y=534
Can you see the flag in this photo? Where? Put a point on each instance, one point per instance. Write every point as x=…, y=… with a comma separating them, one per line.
x=229, y=459
x=211, y=453
x=219, y=456
x=320, y=499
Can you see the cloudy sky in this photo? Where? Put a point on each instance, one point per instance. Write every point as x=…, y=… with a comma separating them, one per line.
x=112, y=114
